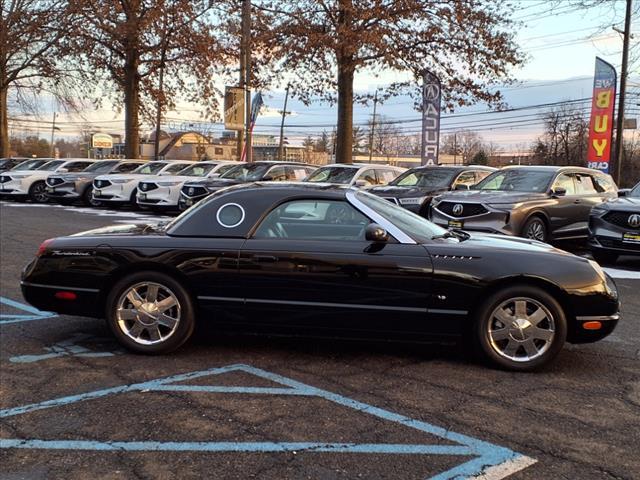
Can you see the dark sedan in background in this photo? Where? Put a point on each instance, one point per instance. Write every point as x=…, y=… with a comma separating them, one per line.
x=538, y=202
x=193, y=192
x=614, y=227
x=415, y=188
x=276, y=257
x=11, y=162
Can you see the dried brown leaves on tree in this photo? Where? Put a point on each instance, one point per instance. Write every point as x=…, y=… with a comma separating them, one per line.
x=320, y=45
x=129, y=44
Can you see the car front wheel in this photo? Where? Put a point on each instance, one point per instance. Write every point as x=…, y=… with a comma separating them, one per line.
x=88, y=199
x=535, y=229
x=150, y=312
x=38, y=192
x=520, y=328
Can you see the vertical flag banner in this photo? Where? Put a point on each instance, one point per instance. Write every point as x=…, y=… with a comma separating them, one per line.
x=431, y=93
x=256, y=105
x=234, y=108
x=601, y=124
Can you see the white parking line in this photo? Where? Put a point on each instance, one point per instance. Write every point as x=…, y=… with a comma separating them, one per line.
x=505, y=469
x=619, y=273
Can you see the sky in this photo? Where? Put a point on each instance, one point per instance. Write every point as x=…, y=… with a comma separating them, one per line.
x=561, y=46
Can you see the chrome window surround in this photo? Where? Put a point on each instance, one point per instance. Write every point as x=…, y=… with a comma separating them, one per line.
x=393, y=230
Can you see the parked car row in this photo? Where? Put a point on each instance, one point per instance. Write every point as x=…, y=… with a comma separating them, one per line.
x=544, y=203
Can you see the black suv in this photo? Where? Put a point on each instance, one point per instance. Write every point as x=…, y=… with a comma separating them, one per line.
x=415, y=188
x=193, y=192
x=614, y=227
x=536, y=202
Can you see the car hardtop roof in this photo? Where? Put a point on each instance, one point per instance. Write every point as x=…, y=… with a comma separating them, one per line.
x=552, y=168
x=455, y=167
x=276, y=162
x=359, y=165
x=294, y=188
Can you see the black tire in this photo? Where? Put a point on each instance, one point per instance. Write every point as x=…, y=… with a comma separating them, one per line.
x=87, y=198
x=495, y=351
x=603, y=257
x=38, y=192
x=133, y=199
x=183, y=329
x=535, y=229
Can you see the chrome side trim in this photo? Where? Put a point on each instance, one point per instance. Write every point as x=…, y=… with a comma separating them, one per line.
x=599, y=318
x=335, y=305
x=60, y=287
x=396, y=232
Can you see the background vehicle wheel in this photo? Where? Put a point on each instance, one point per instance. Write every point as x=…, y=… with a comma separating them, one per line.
x=520, y=328
x=38, y=192
x=604, y=257
x=133, y=200
x=88, y=200
x=535, y=229
x=150, y=312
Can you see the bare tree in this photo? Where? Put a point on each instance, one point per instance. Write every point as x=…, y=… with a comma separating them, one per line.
x=464, y=143
x=323, y=44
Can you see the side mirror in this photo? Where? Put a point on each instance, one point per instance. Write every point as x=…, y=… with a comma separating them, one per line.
x=559, y=191
x=267, y=178
x=461, y=186
x=214, y=175
x=623, y=193
x=361, y=183
x=375, y=233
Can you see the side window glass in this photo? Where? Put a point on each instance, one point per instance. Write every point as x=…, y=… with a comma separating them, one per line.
x=481, y=174
x=386, y=176
x=298, y=174
x=127, y=167
x=465, y=178
x=277, y=174
x=77, y=166
x=604, y=183
x=314, y=220
x=565, y=181
x=369, y=176
x=585, y=185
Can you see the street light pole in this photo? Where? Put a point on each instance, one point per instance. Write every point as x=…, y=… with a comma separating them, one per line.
x=623, y=90
x=284, y=113
x=246, y=40
x=53, y=128
x=373, y=125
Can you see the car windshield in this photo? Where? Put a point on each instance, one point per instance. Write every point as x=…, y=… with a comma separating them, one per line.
x=101, y=167
x=425, y=177
x=248, y=172
x=517, y=180
x=197, y=170
x=49, y=166
x=635, y=192
x=150, y=168
x=174, y=168
x=340, y=175
x=28, y=165
x=417, y=227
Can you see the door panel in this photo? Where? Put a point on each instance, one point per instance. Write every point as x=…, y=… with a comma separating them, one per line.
x=565, y=214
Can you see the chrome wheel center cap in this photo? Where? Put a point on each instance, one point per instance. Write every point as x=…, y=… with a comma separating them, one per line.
x=518, y=330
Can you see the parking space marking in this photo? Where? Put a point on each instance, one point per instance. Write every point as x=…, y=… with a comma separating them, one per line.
x=69, y=347
x=34, y=313
x=620, y=273
x=490, y=460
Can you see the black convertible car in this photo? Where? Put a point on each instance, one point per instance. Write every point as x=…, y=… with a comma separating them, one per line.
x=328, y=261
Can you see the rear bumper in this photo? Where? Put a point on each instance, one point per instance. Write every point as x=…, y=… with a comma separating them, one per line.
x=43, y=297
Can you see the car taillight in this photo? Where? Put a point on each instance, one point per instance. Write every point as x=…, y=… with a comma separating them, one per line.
x=43, y=247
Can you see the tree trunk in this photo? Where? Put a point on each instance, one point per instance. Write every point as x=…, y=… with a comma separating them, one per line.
x=344, y=141
x=4, y=124
x=131, y=105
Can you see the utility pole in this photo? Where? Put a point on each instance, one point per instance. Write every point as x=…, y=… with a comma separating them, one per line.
x=455, y=148
x=623, y=91
x=53, y=128
x=284, y=113
x=373, y=125
x=246, y=58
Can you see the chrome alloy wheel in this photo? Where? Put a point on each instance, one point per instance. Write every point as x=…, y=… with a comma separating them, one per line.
x=535, y=231
x=148, y=313
x=521, y=329
x=39, y=193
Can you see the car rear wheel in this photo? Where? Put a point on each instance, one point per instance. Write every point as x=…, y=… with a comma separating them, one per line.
x=520, y=328
x=88, y=198
x=535, y=229
x=150, y=312
x=604, y=257
x=38, y=192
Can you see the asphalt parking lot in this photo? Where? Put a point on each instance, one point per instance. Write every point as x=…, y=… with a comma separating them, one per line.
x=74, y=405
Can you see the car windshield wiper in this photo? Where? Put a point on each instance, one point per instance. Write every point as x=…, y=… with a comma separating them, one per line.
x=453, y=233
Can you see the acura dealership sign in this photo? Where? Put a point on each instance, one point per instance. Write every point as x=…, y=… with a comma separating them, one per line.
x=431, y=93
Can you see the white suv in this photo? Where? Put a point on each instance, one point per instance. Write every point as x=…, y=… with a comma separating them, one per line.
x=120, y=189
x=355, y=174
x=164, y=192
x=31, y=183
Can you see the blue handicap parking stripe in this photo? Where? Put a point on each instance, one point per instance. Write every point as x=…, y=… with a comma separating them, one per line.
x=35, y=314
x=483, y=455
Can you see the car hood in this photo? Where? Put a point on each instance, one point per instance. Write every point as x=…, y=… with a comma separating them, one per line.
x=215, y=183
x=28, y=173
x=624, y=204
x=168, y=178
x=477, y=196
x=502, y=242
x=74, y=176
x=398, y=191
x=130, y=177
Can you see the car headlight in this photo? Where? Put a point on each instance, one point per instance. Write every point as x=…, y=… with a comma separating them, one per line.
x=412, y=200
x=435, y=201
x=168, y=184
x=504, y=206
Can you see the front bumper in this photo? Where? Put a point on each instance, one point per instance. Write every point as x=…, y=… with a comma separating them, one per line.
x=114, y=193
x=14, y=187
x=160, y=197
x=492, y=221
x=67, y=190
x=608, y=237
x=186, y=201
